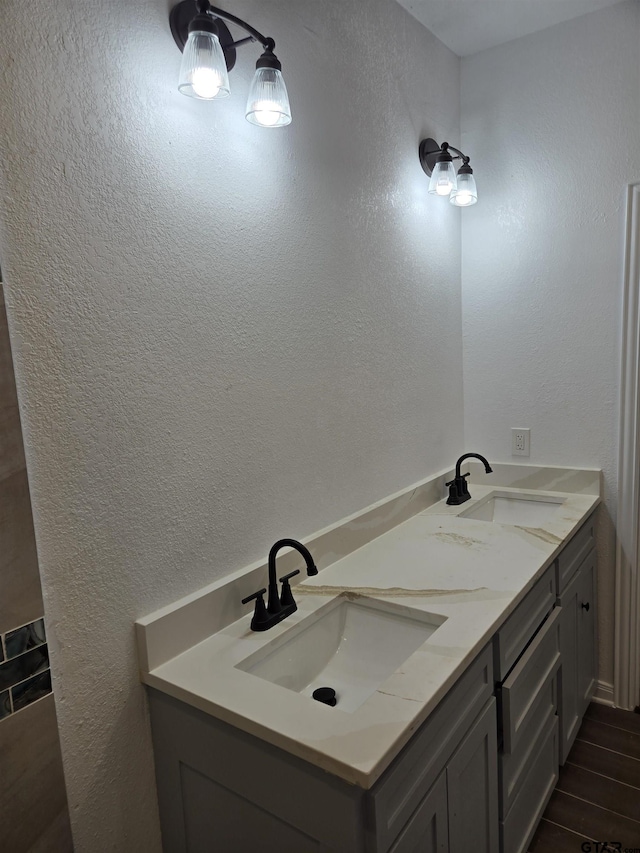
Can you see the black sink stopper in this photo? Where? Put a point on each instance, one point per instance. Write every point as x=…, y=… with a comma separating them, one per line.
x=327, y=695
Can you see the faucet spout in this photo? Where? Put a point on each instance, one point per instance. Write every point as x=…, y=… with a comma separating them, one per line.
x=278, y=606
x=488, y=469
x=458, y=491
x=274, y=605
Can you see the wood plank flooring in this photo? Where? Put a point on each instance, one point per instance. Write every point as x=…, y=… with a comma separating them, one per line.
x=597, y=798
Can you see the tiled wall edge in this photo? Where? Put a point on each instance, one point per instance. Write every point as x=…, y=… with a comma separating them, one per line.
x=25, y=675
x=171, y=630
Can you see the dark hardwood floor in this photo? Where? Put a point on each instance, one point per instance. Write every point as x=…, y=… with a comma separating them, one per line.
x=597, y=798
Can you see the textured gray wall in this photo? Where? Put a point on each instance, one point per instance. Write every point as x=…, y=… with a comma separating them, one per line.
x=553, y=121
x=223, y=334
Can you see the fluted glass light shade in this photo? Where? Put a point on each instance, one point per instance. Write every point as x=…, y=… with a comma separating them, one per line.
x=443, y=178
x=268, y=101
x=465, y=193
x=203, y=72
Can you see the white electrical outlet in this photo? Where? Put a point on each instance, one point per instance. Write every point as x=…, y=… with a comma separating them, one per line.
x=520, y=441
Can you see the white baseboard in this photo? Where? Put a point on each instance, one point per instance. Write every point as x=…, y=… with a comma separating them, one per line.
x=603, y=693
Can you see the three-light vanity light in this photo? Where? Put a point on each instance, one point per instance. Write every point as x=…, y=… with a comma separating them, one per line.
x=437, y=162
x=209, y=53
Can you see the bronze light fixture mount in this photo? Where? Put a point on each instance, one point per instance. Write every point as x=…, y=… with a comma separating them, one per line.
x=437, y=162
x=183, y=13
x=209, y=53
x=429, y=151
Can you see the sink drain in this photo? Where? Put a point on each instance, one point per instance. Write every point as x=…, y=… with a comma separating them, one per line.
x=327, y=695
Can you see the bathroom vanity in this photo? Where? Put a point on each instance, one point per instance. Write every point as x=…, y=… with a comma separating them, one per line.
x=457, y=749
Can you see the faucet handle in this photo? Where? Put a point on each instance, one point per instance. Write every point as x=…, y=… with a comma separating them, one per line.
x=260, y=616
x=255, y=595
x=286, y=596
x=455, y=479
x=290, y=575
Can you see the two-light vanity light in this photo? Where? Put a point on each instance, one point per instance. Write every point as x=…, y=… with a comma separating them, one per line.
x=437, y=162
x=209, y=53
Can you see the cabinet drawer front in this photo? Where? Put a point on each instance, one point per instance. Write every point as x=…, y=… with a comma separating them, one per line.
x=573, y=554
x=513, y=767
x=514, y=635
x=517, y=829
x=392, y=801
x=535, y=670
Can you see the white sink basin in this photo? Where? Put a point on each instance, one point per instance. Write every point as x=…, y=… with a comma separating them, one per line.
x=349, y=645
x=521, y=510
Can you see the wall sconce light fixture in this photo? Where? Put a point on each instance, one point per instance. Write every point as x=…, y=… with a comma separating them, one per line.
x=437, y=162
x=209, y=53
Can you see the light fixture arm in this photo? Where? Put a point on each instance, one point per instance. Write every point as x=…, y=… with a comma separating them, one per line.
x=254, y=35
x=429, y=151
x=459, y=154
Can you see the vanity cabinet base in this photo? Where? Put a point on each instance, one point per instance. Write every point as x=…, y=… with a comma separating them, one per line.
x=471, y=777
x=549, y=641
x=223, y=790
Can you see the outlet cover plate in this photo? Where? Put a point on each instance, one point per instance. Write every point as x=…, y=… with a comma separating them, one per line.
x=520, y=441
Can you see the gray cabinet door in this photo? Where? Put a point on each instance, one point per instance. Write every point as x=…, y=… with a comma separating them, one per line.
x=427, y=831
x=218, y=820
x=586, y=633
x=398, y=794
x=578, y=652
x=570, y=717
x=221, y=790
x=472, y=788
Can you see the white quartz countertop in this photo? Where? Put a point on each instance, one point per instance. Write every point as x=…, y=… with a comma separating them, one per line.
x=472, y=572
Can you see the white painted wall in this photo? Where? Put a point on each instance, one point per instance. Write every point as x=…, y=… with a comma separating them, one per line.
x=552, y=123
x=223, y=335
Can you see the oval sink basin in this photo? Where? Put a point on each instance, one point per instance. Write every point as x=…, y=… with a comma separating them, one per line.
x=351, y=646
x=524, y=511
